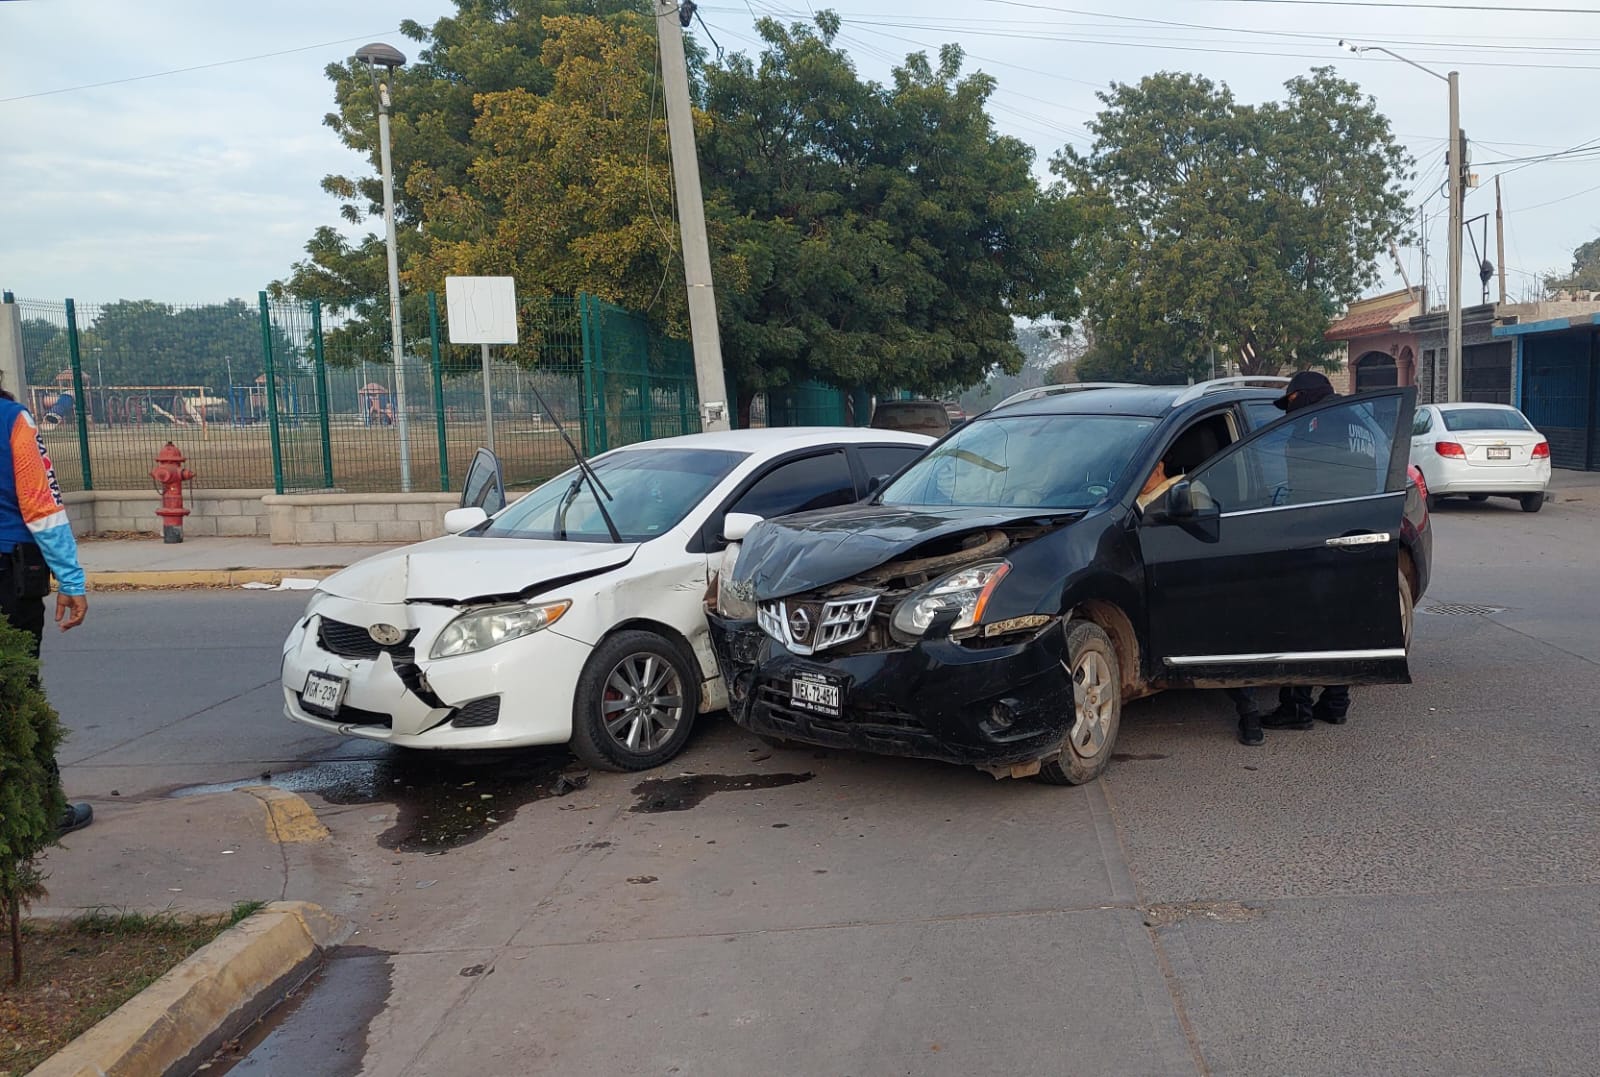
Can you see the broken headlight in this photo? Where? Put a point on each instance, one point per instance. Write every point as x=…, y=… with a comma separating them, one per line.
x=965, y=591
x=480, y=629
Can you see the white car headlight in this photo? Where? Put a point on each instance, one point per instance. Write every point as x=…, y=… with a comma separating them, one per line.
x=480, y=629
x=966, y=591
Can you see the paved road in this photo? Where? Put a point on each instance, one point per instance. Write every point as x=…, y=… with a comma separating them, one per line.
x=1414, y=892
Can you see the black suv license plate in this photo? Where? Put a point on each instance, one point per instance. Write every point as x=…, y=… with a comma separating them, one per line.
x=816, y=693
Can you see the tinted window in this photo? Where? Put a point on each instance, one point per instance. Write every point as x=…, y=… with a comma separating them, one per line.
x=1423, y=422
x=813, y=482
x=882, y=461
x=1340, y=452
x=917, y=417
x=1034, y=461
x=1484, y=419
x=482, y=487
x=651, y=491
x=1262, y=413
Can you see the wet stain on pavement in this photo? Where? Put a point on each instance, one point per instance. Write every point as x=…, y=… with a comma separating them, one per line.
x=691, y=790
x=443, y=800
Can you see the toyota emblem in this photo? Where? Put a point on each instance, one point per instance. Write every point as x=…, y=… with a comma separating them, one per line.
x=385, y=635
x=799, y=625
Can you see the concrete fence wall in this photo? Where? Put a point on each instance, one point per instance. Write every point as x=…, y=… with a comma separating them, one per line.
x=341, y=517
x=287, y=519
x=212, y=513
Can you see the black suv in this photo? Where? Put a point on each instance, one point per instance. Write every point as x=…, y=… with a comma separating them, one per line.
x=1075, y=547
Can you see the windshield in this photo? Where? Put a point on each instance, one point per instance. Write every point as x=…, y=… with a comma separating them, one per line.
x=1029, y=461
x=651, y=491
x=1483, y=419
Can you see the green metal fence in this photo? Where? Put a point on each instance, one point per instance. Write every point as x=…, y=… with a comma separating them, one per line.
x=288, y=395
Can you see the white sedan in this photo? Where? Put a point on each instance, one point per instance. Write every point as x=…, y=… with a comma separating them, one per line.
x=1481, y=451
x=555, y=622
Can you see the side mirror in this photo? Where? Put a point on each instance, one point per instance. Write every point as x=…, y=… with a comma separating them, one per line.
x=1185, y=501
x=736, y=525
x=459, y=520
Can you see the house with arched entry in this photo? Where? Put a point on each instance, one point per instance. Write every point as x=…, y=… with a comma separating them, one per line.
x=1382, y=350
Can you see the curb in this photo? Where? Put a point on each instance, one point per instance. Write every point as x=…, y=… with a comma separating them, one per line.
x=217, y=577
x=179, y=1021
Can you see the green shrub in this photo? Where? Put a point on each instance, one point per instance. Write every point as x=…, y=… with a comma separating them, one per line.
x=31, y=802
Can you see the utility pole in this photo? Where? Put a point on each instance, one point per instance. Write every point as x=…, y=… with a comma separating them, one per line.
x=1500, y=239
x=671, y=17
x=1457, y=166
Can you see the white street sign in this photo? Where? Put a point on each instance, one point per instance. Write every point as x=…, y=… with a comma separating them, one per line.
x=481, y=310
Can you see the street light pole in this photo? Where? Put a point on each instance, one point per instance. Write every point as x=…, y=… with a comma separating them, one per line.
x=1456, y=179
x=389, y=58
x=671, y=17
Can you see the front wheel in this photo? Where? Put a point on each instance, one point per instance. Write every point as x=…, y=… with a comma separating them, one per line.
x=636, y=702
x=1091, y=660
x=1532, y=502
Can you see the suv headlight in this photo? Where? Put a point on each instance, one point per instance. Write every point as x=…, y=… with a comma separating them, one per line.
x=480, y=629
x=966, y=590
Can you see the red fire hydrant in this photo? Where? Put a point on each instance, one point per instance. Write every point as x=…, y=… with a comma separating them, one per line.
x=170, y=475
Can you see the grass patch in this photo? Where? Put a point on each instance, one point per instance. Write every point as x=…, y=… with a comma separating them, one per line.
x=81, y=970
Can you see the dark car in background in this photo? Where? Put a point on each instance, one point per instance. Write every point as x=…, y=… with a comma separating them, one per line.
x=912, y=416
x=998, y=602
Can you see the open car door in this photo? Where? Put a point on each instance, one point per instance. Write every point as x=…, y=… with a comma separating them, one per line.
x=1278, y=560
x=484, y=487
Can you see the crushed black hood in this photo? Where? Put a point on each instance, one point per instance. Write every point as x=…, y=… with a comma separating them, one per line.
x=794, y=554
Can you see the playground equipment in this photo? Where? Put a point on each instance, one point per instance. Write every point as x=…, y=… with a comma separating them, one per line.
x=376, y=404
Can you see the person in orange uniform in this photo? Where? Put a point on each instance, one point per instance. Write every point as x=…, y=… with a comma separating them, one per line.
x=36, y=542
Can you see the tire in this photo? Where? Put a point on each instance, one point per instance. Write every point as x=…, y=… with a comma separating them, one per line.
x=1408, y=610
x=652, y=685
x=1433, y=502
x=1096, y=674
x=1532, y=502
x=1477, y=497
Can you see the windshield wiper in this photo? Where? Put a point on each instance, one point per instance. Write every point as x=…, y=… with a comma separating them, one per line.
x=585, y=473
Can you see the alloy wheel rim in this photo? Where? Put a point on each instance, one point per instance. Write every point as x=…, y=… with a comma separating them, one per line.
x=642, y=703
x=1093, y=702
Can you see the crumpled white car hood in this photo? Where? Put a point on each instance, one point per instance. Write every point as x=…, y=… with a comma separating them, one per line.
x=457, y=568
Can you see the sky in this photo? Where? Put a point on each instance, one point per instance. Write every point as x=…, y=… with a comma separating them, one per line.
x=200, y=185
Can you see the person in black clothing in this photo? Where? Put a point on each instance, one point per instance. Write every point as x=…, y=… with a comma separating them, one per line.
x=1296, y=707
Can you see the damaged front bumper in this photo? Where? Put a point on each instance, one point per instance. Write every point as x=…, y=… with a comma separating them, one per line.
x=515, y=694
x=988, y=705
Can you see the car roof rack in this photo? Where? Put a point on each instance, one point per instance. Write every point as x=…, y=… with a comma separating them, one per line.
x=1199, y=389
x=1056, y=390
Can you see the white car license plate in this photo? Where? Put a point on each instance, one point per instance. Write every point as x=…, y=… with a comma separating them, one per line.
x=1499, y=454
x=815, y=693
x=323, y=693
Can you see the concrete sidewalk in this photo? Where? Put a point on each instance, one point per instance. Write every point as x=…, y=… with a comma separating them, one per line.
x=210, y=562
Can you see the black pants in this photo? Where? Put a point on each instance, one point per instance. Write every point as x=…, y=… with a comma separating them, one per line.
x=24, y=613
x=1334, y=701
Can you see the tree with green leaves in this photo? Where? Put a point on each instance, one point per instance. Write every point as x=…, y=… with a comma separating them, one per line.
x=888, y=234
x=1227, y=232
x=149, y=343
x=31, y=804
x=487, y=48
x=1585, y=275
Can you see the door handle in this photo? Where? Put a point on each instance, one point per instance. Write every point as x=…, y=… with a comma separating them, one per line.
x=1370, y=538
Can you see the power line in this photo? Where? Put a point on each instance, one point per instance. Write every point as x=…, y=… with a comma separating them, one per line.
x=185, y=70
x=1407, y=4
x=1553, y=201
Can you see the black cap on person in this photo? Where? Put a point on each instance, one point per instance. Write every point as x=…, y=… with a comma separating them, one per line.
x=1304, y=389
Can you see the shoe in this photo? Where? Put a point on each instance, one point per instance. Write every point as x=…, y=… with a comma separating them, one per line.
x=77, y=817
x=1286, y=718
x=1250, y=733
x=1329, y=716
